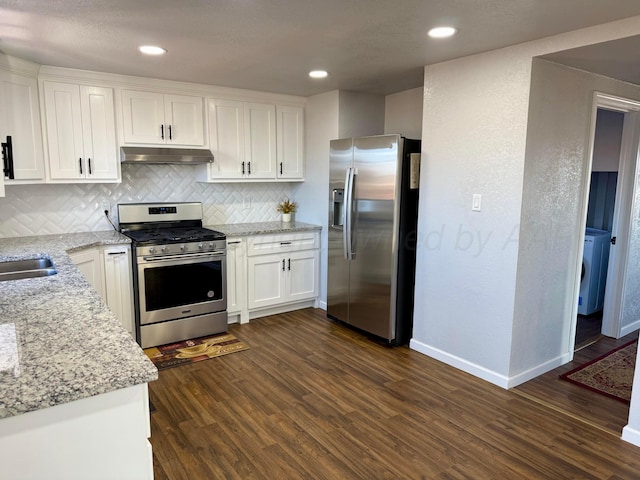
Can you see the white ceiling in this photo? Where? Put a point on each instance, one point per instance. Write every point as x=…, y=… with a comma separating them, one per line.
x=376, y=46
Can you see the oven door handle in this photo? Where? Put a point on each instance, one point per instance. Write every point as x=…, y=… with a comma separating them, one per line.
x=184, y=256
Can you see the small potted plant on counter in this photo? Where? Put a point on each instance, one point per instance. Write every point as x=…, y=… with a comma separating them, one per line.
x=287, y=207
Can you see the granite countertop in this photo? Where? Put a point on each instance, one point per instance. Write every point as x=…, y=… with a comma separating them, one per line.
x=244, y=229
x=59, y=342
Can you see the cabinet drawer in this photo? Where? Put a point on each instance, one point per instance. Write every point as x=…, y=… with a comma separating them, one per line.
x=282, y=243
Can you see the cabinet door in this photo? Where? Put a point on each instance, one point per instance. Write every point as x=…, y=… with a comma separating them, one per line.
x=99, y=133
x=64, y=130
x=227, y=138
x=118, y=284
x=302, y=275
x=143, y=117
x=20, y=119
x=236, y=276
x=184, y=120
x=266, y=275
x=89, y=263
x=260, y=146
x=290, y=142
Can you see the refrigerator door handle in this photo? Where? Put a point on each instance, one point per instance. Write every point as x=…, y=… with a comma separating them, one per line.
x=346, y=212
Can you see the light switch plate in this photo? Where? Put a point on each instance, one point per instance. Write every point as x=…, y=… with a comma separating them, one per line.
x=476, y=203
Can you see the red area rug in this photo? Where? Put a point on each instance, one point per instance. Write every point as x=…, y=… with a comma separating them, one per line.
x=610, y=374
x=195, y=350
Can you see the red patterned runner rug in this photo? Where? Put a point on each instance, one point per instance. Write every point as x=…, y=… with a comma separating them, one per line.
x=195, y=350
x=610, y=374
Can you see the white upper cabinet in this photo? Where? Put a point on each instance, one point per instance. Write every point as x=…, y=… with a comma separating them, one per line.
x=260, y=138
x=162, y=119
x=81, y=135
x=20, y=120
x=254, y=142
x=290, y=146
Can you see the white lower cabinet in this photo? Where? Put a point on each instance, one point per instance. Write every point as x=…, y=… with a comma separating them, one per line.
x=282, y=271
x=89, y=262
x=118, y=284
x=100, y=437
x=108, y=270
x=237, y=280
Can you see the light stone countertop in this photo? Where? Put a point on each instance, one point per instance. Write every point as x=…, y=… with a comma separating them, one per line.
x=69, y=344
x=245, y=229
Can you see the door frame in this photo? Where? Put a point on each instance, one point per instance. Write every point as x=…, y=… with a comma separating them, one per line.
x=623, y=210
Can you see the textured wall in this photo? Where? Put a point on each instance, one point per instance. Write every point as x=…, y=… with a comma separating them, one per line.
x=474, y=137
x=44, y=209
x=555, y=180
x=474, y=127
x=403, y=113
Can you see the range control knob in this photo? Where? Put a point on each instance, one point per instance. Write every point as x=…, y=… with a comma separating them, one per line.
x=200, y=246
x=152, y=249
x=210, y=244
x=163, y=249
x=182, y=248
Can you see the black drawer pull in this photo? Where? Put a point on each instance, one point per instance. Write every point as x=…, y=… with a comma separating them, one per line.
x=80, y=163
x=285, y=243
x=233, y=243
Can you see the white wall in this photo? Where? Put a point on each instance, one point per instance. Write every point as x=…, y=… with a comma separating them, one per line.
x=321, y=126
x=606, y=148
x=360, y=114
x=474, y=137
x=403, y=113
x=556, y=180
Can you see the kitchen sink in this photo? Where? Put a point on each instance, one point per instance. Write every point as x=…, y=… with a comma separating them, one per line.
x=19, y=269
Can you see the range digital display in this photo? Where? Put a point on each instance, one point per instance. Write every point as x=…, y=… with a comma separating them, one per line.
x=162, y=210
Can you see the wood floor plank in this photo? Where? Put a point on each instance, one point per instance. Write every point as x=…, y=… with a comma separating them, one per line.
x=314, y=399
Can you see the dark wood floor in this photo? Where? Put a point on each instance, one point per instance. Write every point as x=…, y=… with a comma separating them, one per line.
x=600, y=411
x=312, y=399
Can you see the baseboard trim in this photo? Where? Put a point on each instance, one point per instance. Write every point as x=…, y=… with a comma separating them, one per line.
x=627, y=329
x=631, y=435
x=322, y=304
x=460, y=363
x=538, y=370
x=484, y=373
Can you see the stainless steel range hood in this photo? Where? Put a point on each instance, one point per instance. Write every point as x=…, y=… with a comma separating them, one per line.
x=158, y=155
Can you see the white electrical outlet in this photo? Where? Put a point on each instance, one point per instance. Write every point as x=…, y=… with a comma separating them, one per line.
x=106, y=206
x=246, y=203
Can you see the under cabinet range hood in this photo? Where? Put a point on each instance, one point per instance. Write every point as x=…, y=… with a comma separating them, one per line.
x=159, y=155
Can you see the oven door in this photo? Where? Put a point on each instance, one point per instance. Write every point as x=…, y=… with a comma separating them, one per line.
x=180, y=286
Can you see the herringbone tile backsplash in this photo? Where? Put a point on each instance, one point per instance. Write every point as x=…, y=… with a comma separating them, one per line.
x=47, y=209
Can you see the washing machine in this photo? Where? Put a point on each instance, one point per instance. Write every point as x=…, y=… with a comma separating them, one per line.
x=594, y=271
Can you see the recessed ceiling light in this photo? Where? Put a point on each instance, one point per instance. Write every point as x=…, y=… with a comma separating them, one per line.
x=318, y=74
x=152, y=50
x=442, y=32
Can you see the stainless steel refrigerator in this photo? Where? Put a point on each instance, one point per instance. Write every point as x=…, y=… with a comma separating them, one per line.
x=373, y=212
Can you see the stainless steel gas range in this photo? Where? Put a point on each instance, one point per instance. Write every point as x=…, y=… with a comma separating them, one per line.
x=179, y=271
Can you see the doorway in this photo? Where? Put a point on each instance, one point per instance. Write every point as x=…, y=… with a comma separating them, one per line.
x=609, y=207
x=605, y=165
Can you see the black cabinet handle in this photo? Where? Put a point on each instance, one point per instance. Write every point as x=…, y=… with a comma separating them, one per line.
x=283, y=264
x=233, y=243
x=243, y=168
x=162, y=131
x=280, y=168
x=89, y=162
x=285, y=243
x=249, y=167
x=80, y=163
x=170, y=138
x=289, y=264
x=7, y=159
